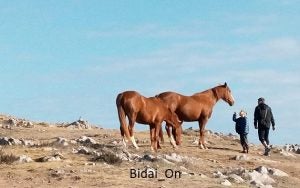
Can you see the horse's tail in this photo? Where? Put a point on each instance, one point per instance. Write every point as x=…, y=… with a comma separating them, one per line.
x=122, y=117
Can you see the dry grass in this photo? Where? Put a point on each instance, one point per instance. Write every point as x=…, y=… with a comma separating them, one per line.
x=7, y=158
x=108, y=171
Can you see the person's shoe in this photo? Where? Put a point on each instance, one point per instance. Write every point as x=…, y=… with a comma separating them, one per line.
x=267, y=151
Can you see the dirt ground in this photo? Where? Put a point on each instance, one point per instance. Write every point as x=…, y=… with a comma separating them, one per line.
x=77, y=170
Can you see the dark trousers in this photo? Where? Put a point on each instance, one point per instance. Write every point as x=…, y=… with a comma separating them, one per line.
x=244, y=141
x=263, y=134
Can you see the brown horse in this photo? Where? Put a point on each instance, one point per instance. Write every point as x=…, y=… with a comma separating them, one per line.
x=144, y=110
x=197, y=107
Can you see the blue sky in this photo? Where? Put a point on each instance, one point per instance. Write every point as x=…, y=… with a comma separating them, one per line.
x=63, y=59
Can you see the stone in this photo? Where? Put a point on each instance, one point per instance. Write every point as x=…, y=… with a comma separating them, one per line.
x=4, y=141
x=276, y=172
x=86, y=140
x=62, y=141
x=83, y=150
x=235, y=178
x=147, y=157
x=174, y=157
x=24, y=159
x=219, y=174
x=287, y=154
x=262, y=170
x=226, y=183
x=14, y=141
x=243, y=157
x=28, y=142
x=259, y=178
x=167, y=162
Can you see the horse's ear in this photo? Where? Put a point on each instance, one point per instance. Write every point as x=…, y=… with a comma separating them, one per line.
x=225, y=84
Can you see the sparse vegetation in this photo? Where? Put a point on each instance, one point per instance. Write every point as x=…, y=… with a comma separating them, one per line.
x=109, y=158
x=7, y=158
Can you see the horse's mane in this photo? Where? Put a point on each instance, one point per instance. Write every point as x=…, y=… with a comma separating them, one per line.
x=206, y=91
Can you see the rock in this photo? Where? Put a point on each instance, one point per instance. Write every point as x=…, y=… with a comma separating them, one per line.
x=243, y=157
x=195, y=141
x=61, y=141
x=226, y=183
x=24, y=159
x=174, y=157
x=4, y=141
x=235, y=178
x=219, y=174
x=14, y=141
x=276, y=172
x=258, y=178
x=287, y=154
x=79, y=124
x=29, y=125
x=28, y=142
x=57, y=173
x=147, y=157
x=167, y=162
x=73, y=142
x=56, y=157
x=83, y=150
x=86, y=140
x=262, y=170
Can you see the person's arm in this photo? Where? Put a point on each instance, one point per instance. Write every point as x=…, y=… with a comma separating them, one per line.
x=255, y=117
x=247, y=126
x=234, y=117
x=272, y=119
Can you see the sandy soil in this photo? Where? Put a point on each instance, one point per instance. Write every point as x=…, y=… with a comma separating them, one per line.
x=78, y=170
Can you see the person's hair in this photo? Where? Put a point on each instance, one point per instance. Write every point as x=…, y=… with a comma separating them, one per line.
x=243, y=112
x=261, y=99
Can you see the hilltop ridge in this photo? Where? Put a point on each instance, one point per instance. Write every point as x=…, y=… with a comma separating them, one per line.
x=52, y=155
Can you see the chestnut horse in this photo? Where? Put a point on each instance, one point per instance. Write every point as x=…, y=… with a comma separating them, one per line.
x=144, y=110
x=197, y=107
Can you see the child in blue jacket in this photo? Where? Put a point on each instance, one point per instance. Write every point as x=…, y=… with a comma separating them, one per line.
x=242, y=128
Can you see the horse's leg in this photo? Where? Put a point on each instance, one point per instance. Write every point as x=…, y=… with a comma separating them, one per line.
x=131, y=126
x=160, y=138
x=156, y=136
x=152, y=134
x=123, y=136
x=170, y=135
x=161, y=135
x=202, y=124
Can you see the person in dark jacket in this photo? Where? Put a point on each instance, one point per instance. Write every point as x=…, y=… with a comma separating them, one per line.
x=242, y=128
x=263, y=118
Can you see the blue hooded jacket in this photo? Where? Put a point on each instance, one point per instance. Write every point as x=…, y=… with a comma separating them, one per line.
x=241, y=124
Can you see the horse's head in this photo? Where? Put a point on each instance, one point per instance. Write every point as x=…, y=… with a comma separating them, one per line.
x=224, y=93
x=176, y=132
x=176, y=126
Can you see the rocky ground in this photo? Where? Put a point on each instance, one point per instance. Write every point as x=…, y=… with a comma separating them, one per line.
x=81, y=155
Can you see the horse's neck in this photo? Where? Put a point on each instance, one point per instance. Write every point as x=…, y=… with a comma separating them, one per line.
x=211, y=94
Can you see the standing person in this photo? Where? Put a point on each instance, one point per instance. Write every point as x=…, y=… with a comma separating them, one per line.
x=263, y=118
x=242, y=128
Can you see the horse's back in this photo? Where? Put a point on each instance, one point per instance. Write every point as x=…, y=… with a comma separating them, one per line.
x=129, y=99
x=171, y=99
